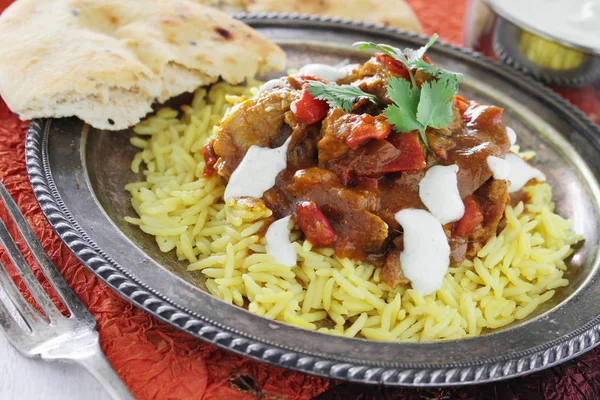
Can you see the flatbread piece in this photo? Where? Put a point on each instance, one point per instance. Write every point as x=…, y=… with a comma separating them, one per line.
x=107, y=61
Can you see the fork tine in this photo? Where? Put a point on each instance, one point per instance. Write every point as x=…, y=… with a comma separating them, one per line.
x=30, y=316
x=9, y=326
x=61, y=287
x=34, y=286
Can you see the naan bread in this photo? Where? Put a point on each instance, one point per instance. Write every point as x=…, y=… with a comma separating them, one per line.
x=396, y=14
x=107, y=61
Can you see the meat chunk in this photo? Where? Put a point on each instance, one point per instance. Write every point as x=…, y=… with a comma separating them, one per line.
x=493, y=197
x=399, y=153
x=372, y=77
x=469, y=146
x=341, y=132
x=398, y=193
x=391, y=273
x=331, y=143
x=302, y=151
x=358, y=230
x=257, y=121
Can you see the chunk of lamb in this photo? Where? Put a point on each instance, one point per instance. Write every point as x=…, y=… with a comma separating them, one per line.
x=483, y=213
x=391, y=273
x=374, y=75
x=468, y=146
x=493, y=197
x=257, y=121
x=341, y=132
x=350, y=213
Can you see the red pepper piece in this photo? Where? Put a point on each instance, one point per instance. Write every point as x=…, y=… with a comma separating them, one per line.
x=411, y=157
x=462, y=104
x=210, y=158
x=314, y=224
x=308, y=109
x=394, y=66
x=472, y=218
x=364, y=127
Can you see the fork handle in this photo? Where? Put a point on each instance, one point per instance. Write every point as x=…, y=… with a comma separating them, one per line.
x=99, y=367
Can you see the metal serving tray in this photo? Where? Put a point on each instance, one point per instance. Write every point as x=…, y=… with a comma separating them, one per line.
x=78, y=174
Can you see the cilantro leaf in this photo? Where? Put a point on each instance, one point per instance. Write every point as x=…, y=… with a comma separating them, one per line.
x=413, y=59
x=339, y=96
x=415, y=55
x=391, y=51
x=403, y=113
x=435, y=108
x=384, y=48
x=449, y=78
x=415, y=108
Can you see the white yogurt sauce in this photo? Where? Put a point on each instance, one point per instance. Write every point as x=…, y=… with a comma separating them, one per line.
x=512, y=136
x=272, y=84
x=576, y=21
x=521, y=172
x=439, y=192
x=278, y=242
x=426, y=255
x=500, y=167
x=257, y=172
x=327, y=72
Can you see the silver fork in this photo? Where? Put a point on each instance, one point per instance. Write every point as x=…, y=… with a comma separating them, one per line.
x=51, y=336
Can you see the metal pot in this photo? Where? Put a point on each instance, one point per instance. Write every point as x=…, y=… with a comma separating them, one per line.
x=542, y=54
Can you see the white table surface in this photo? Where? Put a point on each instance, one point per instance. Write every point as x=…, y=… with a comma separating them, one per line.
x=33, y=379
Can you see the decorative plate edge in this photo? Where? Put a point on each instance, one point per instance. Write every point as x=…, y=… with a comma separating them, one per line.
x=136, y=292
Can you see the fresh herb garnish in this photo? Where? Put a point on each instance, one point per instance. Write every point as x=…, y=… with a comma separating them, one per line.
x=449, y=78
x=339, y=96
x=403, y=115
x=417, y=108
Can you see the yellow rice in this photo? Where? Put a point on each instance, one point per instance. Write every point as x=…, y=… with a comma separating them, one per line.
x=512, y=275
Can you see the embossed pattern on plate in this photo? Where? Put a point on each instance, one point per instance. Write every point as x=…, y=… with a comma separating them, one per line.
x=78, y=174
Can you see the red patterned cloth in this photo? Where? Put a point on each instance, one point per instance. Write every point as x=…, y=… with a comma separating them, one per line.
x=157, y=361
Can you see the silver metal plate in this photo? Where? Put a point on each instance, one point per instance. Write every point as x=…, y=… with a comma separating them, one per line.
x=78, y=175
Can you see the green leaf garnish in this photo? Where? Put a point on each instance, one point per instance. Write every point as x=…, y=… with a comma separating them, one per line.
x=414, y=108
x=403, y=113
x=449, y=78
x=413, y=59
x=434, y=108
x=339, y=96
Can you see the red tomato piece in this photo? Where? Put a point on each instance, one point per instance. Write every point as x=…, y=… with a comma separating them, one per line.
x=210, y=158
x=364, y=127
x=394, y=66
x=412, y=158
x=472, y=218
x=314, y=224
x=308, y=109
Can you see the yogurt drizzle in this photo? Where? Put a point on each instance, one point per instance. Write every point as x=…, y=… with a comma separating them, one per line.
x=512, y=135
x=426, y=255
x=278, y=242
x=500, y=167
x=272, y=84
x=521, y=172
x=257, y=172
x=439, y=192
x=327, y=72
